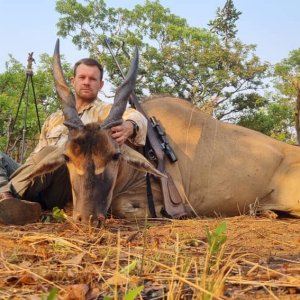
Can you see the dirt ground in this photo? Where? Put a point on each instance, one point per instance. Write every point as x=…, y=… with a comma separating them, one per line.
x=164, y=258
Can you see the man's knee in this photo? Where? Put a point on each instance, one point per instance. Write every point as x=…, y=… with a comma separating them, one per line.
x=7, y=167
x=50, y=190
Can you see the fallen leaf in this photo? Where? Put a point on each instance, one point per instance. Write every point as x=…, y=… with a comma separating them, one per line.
x=76, y=260
x=60, y=242
x=27, y=279
x=117, y=279
x=81, y=292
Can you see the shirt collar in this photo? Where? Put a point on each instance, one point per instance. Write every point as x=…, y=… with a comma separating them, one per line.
x=88, y=107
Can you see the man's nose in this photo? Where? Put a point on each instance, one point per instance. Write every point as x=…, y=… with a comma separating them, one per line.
x=86, y=81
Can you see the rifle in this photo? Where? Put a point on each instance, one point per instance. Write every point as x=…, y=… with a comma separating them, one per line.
x=158, y=145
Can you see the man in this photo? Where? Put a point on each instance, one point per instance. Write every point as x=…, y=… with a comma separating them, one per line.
x=53, y=189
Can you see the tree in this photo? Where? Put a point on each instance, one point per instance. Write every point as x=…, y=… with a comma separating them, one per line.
x=287, y=85
x=176, y=59
x=274, y=120
x=11, y=85
x=224, y=23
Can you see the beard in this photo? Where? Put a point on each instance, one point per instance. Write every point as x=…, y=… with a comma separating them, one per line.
x=87, y=95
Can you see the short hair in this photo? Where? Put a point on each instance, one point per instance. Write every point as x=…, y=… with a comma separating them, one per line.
x=89, y=62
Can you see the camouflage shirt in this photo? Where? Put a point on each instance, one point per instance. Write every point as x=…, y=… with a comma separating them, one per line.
x=55, y=133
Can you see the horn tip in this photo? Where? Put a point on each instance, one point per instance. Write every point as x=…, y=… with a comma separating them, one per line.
x=56, y=50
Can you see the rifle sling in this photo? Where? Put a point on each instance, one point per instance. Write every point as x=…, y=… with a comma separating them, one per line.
x=173, y=208
x=173, y=204
x=150, y=197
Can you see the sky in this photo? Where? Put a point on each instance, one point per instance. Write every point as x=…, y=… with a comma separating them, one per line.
x=30, y=26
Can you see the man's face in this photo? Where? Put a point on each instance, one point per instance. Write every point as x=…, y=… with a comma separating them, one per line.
x=87, y=82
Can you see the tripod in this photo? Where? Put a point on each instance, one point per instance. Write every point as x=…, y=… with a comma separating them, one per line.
x=27, y=84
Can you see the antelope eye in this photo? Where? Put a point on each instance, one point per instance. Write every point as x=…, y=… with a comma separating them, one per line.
x=116, y=156
x=67, y=158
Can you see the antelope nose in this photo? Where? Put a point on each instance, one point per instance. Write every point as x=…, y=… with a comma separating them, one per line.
x=92, y=220
x=77, y=217
x=98, y=221
x=81, y=218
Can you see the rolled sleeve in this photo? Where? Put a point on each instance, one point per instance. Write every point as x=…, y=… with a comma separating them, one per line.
x=53, y=133
x=141, y=121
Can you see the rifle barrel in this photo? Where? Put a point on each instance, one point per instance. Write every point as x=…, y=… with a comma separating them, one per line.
x=107, y=42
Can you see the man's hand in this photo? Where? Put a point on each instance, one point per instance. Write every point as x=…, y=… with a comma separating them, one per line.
x=122, y=132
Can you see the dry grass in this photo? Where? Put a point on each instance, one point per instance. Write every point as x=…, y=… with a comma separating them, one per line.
x=166, y=259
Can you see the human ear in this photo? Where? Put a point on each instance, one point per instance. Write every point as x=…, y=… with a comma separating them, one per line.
x=101, y=84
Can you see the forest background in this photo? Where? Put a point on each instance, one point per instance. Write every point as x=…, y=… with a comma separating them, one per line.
x=210, y=66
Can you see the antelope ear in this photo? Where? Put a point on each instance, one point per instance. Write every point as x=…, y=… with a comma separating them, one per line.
x=48, y=164
x=138, y=161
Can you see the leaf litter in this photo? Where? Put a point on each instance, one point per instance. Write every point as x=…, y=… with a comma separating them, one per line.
x=250, y=258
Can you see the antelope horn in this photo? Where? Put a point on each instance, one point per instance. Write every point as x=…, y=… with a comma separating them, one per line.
x=122, y=94
x=64, y=93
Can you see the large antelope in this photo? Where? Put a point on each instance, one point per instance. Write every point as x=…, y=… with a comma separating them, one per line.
x=221, y=168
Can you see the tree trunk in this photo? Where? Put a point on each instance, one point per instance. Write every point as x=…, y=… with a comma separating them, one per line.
x=297, y=112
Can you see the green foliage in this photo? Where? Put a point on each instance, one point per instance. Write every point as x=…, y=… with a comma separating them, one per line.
x=216, y=239
x=12, y=83
x=132, y=294
x=288, y=68
x=287, y=83
x=176, y=58
x=287, y=75
x=275, y=121
x=128, y=269
x=52, y=295
x=224, y=23
x=214, y=270
x=58, y=214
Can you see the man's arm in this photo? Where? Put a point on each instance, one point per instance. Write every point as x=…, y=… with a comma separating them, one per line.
x=52, y=122
x=134, y=128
